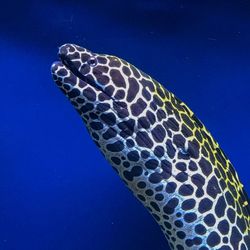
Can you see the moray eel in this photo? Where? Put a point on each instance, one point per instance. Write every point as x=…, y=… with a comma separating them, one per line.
x=163, y=153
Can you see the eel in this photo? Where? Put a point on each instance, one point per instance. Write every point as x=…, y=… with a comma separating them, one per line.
x=159, y=148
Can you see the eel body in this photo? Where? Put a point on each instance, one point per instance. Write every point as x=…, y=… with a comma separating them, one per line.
x=163, y=153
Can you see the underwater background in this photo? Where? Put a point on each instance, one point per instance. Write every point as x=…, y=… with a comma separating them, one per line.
x=57, y=192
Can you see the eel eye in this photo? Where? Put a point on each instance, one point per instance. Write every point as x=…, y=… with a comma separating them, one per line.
x=92, y=61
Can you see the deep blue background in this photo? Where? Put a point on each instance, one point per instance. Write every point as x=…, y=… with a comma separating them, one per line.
x=56, y=190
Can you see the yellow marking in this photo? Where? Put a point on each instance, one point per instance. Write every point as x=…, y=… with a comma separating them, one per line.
x=213, y=146
x=245, y=203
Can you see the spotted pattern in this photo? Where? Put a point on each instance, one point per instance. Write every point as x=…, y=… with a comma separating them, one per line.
x=159, y=148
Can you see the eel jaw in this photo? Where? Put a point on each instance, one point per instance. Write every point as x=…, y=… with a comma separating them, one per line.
x=75, y=71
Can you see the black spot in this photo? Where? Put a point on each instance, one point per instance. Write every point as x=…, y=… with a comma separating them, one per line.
x=110, y=133
x=136, y=171
x=178, y=223
x=128, y=176
x=169, y=208
x=172, y=124
x=102, y=107
x=230, y=199
x=155, y=178
x=143, y=140
x=109, y=90
x=161, y=115
x=87, y=107
x=126, y=164
x=181, y=166
x=181, y=235
x=226, y=248
x=190, y=217
x=133, y=156
x=170, y=149
x=117, y=78
x=180, y=247
x=95, y=136
x=159, y=188
x=74, y=93
x=101, y=60
x=122, y=112
x=187, y=121
x=145, y=154
x=138, y=107
x=130, y=143
x=151, y=117
x=197, y=240
x=241, y=223
x=188, y=204
x=187, y=132
x=127, y=126
x=178, y=214
x=231, y=215
x=213, y=188
x=155, y=206
x=159, y=197
x=141, y=184
x=143, y=123
x=108, y=118
x=192, y=166
x=189, y=242
x=115, y=147
x=200, y=229
x=167, y=225
x=157, y=218
x=142, y=198
x=166, y=166
x=247, y=240
x=159, y=151
x=132, y=89
x=183, y=153
x=205, y=205
x=80, y=100
x=151, y=164
x=116, y=160
x=199, y=192
x=179, y=141
x=102, y=97
x=93, y=116
x=148, y=84
x=159, y=133
x=126, y=70
x=114, y=62
x=193, y=149
x=96, y=125
x=102, y=79
x=170, y=187
x=181, y=177
x=220, y=207
x=213, y=239
x=223, y=227
x=186, y=190
x=209, y=220
x=198, y=180
x=206, y=167
x=146, y=94
x=157, y=101
x=149, y=192
x=198, y=136
x=135, y=71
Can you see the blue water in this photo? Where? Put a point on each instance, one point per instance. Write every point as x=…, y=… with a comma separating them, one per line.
x=57, y=192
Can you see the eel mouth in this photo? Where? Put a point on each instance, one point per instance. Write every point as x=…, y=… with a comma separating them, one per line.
x=69, y=64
